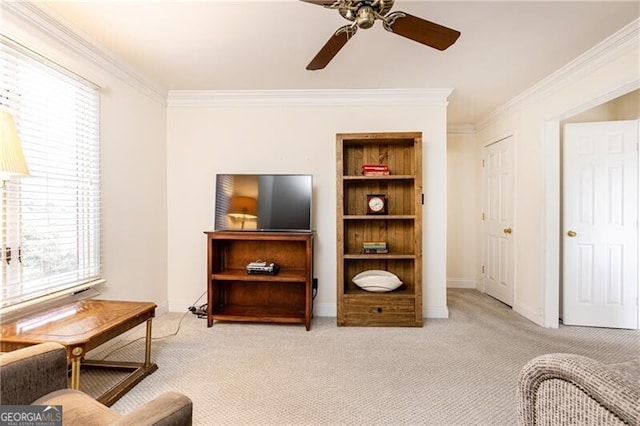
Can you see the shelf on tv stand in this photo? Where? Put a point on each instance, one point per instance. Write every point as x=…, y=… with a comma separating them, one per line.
x=259, y=313
x=292, y=275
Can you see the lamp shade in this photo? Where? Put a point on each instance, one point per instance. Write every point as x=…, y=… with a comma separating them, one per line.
x=242, y=208
x=11, y=157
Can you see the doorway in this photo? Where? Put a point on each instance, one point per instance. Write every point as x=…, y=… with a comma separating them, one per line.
x=552, y=232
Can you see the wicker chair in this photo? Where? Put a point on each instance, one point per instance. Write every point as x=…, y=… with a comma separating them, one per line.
x=566, y=389
x=37, y=375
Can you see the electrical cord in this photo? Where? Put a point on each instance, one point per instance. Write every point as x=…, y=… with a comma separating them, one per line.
x=175, y=333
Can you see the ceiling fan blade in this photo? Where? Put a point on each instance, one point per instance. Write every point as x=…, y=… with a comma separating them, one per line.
x=332, y=47
x=320, y=2
x=421, y=30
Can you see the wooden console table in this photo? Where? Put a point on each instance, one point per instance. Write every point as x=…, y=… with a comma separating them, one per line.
x=82, y=326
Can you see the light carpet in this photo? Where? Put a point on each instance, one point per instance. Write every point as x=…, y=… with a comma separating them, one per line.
x=457, y=371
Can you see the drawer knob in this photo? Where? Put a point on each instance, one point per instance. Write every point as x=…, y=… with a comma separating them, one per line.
x=379, y=310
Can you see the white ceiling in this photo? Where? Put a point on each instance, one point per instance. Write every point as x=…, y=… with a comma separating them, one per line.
x=505, y=46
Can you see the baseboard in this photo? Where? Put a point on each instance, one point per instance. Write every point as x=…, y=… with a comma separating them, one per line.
x=325, y=310
x=435, y=311
x=529, y=314
x=461, y=283
x=319, y=310
x=183, y=305
x=162, y=309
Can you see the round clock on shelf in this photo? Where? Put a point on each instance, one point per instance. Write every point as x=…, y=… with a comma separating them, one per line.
x=376, y=204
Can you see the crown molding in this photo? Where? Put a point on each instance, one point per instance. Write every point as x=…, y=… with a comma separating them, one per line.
x=82, y=45
x=305, y=97
x=461, y=129
x=601, y=54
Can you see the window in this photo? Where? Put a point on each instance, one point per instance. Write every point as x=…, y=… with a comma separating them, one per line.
x=50, y=227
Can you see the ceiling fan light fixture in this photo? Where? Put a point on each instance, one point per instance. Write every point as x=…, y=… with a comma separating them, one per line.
x=349, y=14
x=366, y=17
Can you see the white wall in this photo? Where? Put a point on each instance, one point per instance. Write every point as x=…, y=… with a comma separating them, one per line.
x=132, y=134
x=205, y=140
x=626, y=107
x=605, y=72
x=463, y=217
x=134, y=200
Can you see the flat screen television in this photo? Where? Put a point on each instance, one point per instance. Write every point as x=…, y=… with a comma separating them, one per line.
x=263, y=202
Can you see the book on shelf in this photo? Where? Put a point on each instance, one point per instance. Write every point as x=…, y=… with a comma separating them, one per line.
x=376, y=173
x=375, y=251
x=374, y=246
x=375, y=170
x=374, y=243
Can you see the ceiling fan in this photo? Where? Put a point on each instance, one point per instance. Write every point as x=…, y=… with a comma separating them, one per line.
x=364, y=13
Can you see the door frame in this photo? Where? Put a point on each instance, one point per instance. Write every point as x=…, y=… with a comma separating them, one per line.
x=552, y=203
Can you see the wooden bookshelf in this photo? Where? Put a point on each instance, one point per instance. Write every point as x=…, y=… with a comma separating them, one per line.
x=400, y=227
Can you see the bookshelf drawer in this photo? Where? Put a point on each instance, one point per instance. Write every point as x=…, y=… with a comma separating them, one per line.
x=379, y=310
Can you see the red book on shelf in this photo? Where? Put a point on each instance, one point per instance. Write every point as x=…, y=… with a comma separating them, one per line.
x=375, y=170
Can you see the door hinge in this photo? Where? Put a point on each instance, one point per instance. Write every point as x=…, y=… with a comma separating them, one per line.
x=482, y=216
x=483, y=269
x=482, y=163
x=423, y=199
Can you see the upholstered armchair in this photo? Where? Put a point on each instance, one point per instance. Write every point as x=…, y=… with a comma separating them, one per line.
x=37, y=375
x=566, y=389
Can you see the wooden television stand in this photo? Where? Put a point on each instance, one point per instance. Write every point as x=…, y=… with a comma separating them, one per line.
x=235, y=295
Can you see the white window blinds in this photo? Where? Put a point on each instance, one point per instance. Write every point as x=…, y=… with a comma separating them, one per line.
x=50, y=224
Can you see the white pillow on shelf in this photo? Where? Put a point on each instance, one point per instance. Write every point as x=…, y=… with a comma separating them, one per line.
x=376, y=280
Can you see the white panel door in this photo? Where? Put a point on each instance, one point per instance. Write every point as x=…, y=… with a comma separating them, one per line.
x=498, y=220
x=600, y=200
